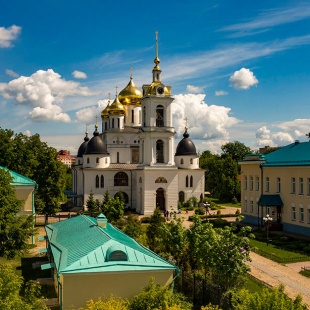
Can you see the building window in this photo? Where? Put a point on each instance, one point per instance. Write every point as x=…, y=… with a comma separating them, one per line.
x=87, y=160
x=278, y=185
x=118, y=123
x=191, y=181
x=140, y=117
x=102, y=181
x=308, y=220
x=301, y=213
x=267, y=184
x=191, y=161
x=293, y=185
x=159, y=116
x=186, y=181
x=117, y=157
x=161, y=180
x=97, y=160
x=181, y=197
x=301, y=186
x=252, y=206
x=97, y=181
x=257, y=207
x=251, y=183
x=245, y=205
x=293, y=211
x=105, y=126
x=121, y=179
x=132, y=116
x=112, y=122
x=144, y=116
x=182, y=161
x=257, y=184
x=159, y=151
x=308, y=186
x=245, y=182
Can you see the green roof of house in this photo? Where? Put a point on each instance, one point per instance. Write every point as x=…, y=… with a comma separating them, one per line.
x=79, y=245
x=19, y=179
x=295, y=154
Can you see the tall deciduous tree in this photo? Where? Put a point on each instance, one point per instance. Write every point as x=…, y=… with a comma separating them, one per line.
x=33, y=158
x=15, y=231
x=236, y=150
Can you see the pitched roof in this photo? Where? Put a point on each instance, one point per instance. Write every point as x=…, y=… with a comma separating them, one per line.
x=19, y=179
x=80, y=245
x=294, y=154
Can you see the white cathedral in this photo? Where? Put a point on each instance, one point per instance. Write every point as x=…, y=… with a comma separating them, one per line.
x=135, y=152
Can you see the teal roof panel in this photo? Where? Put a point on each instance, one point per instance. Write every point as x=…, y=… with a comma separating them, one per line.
x=79, y=245
x=19, y=179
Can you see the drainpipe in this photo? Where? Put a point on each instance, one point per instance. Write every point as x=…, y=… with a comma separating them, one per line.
x=59, y=291
x=33, y=214
x=261, y=192
x=131, y=189
x=177, y=275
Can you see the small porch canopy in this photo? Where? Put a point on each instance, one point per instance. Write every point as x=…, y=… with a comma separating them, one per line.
x=270, y=200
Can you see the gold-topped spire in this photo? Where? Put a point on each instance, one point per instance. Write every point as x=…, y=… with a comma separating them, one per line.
x=131, y=69
x=156, y=60
x=130, y=95
x=186, y=123
x=116, y=88
x=109, y=95
x=96, y=125
x=86, y=131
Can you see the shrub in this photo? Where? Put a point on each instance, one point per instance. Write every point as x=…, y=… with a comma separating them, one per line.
x=234, y=200
x=200, y=211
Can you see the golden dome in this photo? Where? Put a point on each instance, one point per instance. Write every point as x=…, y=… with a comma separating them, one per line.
x=152, y=89
x=105, y=112
x=130, y=94
x=116, y=108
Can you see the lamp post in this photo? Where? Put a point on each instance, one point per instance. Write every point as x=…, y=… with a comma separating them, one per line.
x=267, y=219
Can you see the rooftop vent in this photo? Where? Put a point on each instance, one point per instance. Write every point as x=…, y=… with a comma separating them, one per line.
x=102, y=220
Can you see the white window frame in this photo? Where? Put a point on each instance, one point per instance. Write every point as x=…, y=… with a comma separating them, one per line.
x=267, y=184
x=257, y=183
x=251, y=183
x=308, y=186
x=301, y=213
x=245, y=205
x=278, y=185
x=252, y=206
x=293, y=185
x=245, y=184
x=293, y=212
x=301, y=186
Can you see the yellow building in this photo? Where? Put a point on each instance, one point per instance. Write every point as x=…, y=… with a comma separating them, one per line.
x=92, y=258
x=278, y=184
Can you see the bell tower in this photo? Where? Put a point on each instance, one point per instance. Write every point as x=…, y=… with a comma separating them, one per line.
x=157, y=131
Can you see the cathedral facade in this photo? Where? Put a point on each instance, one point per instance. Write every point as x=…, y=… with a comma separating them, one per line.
x=135, y=154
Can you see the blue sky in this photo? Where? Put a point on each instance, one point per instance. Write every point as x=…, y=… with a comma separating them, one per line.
x=239, y=70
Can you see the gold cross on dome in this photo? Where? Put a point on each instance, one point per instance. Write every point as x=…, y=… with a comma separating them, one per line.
x=131, y=69
x=116, y=87
x=186, y=122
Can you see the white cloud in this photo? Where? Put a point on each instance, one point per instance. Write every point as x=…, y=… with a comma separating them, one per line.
x=266, y=138
x=27, y=133
x=194, y=89
x=243, y=79
x=79, y=74
x=7, y=35
x=221, y=93
x=268, y=19
x=45, y=90
x=88, y=115
x=11, y=73
x=207, y=122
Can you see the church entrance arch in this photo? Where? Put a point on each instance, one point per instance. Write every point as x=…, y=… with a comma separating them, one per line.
x=160, y=199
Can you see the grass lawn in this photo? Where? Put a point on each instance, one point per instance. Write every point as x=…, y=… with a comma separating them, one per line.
x=253, y=285
x=276, y=254
x=225, y=203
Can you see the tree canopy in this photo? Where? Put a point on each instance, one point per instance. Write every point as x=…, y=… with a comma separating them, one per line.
x=15, y=231
x=236, y=150
x=34, y=159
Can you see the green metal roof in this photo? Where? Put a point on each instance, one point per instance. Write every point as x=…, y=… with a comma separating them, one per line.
x=295, y=154
x=19, y=179
x=79, y=245
x=270, y=200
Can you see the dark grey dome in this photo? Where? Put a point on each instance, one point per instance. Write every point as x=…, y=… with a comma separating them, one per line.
x=83, y=146
x=96, y=145
x=186, y=146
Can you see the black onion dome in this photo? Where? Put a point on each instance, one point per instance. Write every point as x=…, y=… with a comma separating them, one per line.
x=186, y=146
x=96, y=145
x=83, y=146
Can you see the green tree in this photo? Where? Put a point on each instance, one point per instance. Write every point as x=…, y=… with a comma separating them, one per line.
x=236, y=150
x=33, y=158
x=132, y=226
x=275, y=299
x=15, y=231
x=158, y=297
x=10, y=286
x=154, y=232
x=112, y=303
x=113, y=209
x=91, y=203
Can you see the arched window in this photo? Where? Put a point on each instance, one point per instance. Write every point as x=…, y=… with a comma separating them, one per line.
x=191, y=161
x=118, y=123
x=97, y=160
x=102, y=181
x=97, y=181
x=191, y=181
x=140, y=180
x=121, y=179
x=159, y=151
x=144, y=116
x=112, y=122
x=186, y=181
x=117, y=157
x=181, y=197
x=182, y=161
x=160, y=180
x=106, y=126
x=159, y=116
x=87, y=160
x=132, y=116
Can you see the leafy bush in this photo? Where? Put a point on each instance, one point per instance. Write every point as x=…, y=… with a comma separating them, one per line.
x=200, y=211
x=234, y=200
